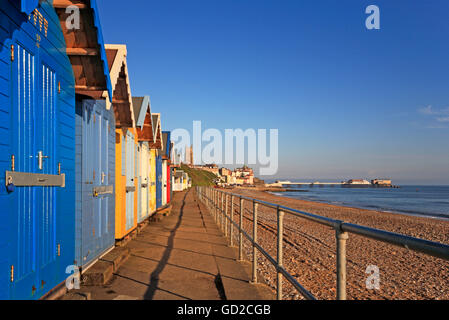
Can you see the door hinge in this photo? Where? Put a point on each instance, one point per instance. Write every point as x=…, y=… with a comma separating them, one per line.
x=93, y=231
x=59, y=250
x=12, y=273
x=12, y=52
x=13, y=163
x=94, y=176
x=59, y=87
x=59, y=168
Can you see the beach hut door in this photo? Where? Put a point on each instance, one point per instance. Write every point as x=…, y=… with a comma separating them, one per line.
x=144, y=181
x=97, y=190
x=33, y=171
x=130, y=176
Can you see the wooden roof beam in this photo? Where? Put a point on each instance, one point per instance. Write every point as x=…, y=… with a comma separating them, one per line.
x=63, y=4
x=82, y=51
x=88, y=88
x=116, y=101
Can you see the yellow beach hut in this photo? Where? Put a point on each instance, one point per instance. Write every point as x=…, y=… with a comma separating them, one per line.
x=126, y=143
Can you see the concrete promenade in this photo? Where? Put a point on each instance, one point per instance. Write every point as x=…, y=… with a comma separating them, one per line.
x=182, y=256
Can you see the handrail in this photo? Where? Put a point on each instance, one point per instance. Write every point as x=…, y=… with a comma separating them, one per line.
x=342, y=229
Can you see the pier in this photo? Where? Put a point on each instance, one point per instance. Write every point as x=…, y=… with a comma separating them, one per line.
x=280, y=184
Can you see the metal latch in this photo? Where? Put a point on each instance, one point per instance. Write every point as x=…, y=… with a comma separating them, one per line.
x=40, y=159
x=103, y=190
x=28, y=179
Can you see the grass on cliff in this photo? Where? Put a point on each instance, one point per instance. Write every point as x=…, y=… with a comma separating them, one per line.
x=200, y=177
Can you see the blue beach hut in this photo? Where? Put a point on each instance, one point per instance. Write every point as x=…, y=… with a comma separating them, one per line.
x=158, y=147
x=95, y=135
x=145, y=134
x=37, y=151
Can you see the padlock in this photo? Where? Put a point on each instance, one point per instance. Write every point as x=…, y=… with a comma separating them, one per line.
x=10, y=187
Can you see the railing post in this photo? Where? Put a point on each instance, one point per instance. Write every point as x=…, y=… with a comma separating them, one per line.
x=215, y=205
x=217, y=208
x=226, y=215
x=212, y=202
x=341, y=264
x=223, y=195
x=232, y=222
x=255, y=206
x=280, y=251
x=212, y=194
x=221, y=210
x=240, y=231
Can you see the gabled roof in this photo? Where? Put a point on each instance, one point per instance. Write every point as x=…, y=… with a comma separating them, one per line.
x=166, y=144
x=121, y=94
x=144, y=120
x=85, y=48
x=157, y=129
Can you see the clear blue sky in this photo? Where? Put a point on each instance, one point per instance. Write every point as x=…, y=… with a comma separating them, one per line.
x=348, y=102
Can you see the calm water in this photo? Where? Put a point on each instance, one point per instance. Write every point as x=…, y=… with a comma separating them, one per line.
x=412, y=200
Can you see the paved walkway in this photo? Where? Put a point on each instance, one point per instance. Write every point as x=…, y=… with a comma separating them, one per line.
x=184, y=256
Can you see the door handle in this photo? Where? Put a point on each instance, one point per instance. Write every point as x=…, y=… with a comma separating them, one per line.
x=40, y=159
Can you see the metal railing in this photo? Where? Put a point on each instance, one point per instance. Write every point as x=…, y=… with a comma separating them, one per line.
x=218, y=203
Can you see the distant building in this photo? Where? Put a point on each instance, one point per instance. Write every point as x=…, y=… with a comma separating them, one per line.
x=381, y=182
x=358, y=181
x=213, y=168
x=189, y=156
x=245, y=174
x=231, y=180
x=181, y=181
x=225, y=172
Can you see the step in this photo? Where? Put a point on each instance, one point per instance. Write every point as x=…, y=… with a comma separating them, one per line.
x=160, y=214
x=99, y=274
x=117, y=257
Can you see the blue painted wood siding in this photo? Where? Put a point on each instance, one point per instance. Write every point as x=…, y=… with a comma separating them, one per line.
x=158, y=182
x=95, y=167
x=38, y=223
x=130, y=176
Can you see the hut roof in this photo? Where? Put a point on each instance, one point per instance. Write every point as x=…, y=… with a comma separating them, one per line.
x=85, y=48
x=144, y=119
x=121, y=96
x=166, y=145
x=157, y=131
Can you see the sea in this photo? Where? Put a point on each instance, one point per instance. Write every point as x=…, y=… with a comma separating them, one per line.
x=427, y=201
